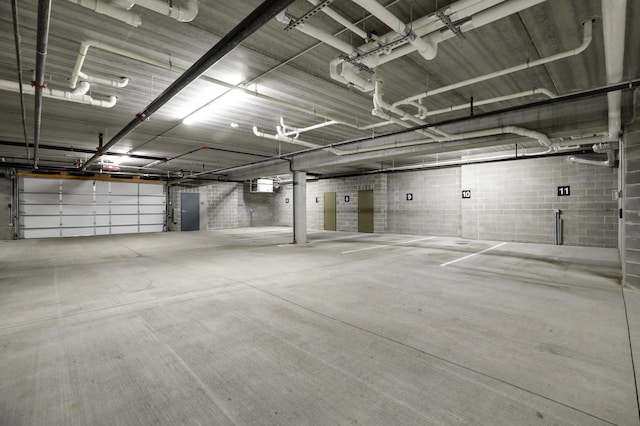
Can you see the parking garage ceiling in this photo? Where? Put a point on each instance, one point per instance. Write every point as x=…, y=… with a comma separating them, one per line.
x=305, y=88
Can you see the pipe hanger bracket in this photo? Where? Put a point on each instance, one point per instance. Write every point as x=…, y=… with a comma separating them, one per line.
x=308, y=15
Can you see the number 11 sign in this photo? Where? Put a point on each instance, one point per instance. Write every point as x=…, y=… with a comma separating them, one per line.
x=564, y=191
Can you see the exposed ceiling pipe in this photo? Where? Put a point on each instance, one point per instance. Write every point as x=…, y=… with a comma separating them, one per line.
x=261, y=15
x=44, y=18
x=341, y=20
x=282, y=138
x=186, y=13
x=77, y=71
x=424, y=113
x=317, y=33
x=171, y=67
x=609, y=162
x=17, y=39
x=289, y=131
x=586, y=40
x=77, y=96
x=424, y=47
x=105, y=8
x=613, y=29
x=614, y=19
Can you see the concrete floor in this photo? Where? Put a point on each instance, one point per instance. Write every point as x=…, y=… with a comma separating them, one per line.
x=240, y=327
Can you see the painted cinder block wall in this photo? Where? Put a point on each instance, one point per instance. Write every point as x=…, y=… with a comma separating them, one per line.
x=516, y=201
x=6, y=228
x=510, y=201
x=225, y=205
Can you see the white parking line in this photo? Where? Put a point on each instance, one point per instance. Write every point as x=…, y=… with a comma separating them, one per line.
x=473, y=254
x=386, y=245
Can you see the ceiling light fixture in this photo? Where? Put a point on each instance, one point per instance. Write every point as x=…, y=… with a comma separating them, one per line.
x=234, y=125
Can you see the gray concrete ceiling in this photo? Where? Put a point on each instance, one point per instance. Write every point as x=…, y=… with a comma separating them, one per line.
x=288, y=73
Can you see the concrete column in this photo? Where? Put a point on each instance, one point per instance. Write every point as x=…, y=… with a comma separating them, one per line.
x=300, y=207
x=630, y=250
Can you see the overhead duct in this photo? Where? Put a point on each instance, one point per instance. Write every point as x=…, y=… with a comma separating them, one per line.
x=261, y=15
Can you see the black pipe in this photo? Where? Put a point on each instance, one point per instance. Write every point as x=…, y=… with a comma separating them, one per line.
x=260, y=16
x=17, y=38
x=44, y=18
x=81, y=150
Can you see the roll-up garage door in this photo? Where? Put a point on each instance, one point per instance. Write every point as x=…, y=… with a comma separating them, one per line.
x=73, y=207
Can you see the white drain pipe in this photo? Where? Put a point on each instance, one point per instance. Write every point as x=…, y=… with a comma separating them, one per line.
x=76, y=96
x=341, y=20
x=122, y=12
x=614, y=17
x=427, y=49
x=77, y=71
x=186, y=13
x=105, y=8
x=586, y=41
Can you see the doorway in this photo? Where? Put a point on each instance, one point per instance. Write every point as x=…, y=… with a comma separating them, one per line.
x=365, y=211
x=330, y=211
x=190, y=211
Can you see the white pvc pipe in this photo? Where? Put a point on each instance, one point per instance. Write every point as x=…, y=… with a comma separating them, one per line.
x=341, y=20
x=104, y=8
x=497, y=99
x=118, y=84
x=289, y=131
x=77, y=73
x=186, y=13
x=613, y=28
x=426, y=49
x=286, y=139
x=317, y=33
x=587, y=37
x=59, y=94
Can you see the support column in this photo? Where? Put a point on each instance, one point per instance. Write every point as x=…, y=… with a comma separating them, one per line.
x=300, y=207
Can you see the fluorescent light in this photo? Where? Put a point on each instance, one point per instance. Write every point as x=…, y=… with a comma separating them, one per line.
x=234, y=125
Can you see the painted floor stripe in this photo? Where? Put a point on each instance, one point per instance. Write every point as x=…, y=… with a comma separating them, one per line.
x=473, y=254
x=386, y=245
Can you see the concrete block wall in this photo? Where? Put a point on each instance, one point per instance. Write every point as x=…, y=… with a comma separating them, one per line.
x=226, y=205
x=347, y=211
x=283, y=205
x=515, y=201
x=6, y=228
x=435, y=205
x=631, y=210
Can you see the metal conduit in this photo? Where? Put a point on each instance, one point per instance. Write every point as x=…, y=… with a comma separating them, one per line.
x=260, y=16
x=44, y=18
x=16, y=35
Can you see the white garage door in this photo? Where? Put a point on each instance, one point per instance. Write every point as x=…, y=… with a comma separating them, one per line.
x=69, y=207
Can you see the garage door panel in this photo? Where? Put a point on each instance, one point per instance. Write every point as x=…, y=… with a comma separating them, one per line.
x=151, y=218
x=40, y=198
x=124, y=209
x=41, y=233
x=67, y=207
x=124, y=229
x=70, y=186
x=153, y=208
x=41, y=209
x=122, y=188
x=77, y=232
x=73, y=221
x=41, y=221
x=151, y=228
x=124, y=220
